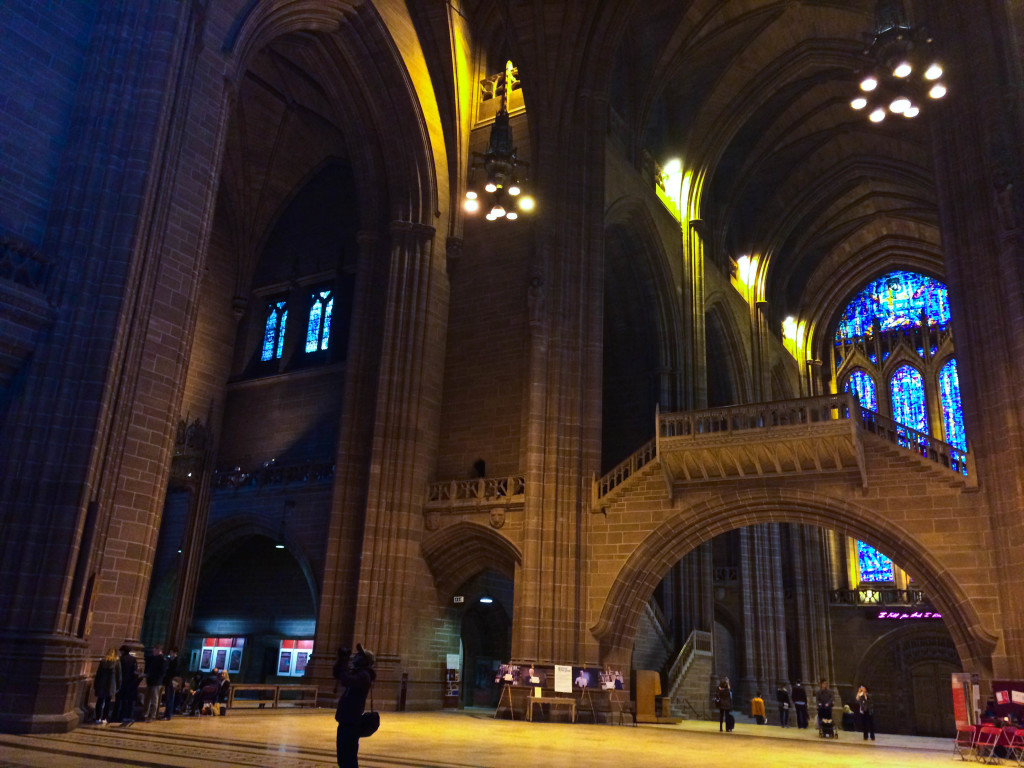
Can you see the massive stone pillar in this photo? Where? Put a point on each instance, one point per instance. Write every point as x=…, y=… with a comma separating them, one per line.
x=977, y=133
x=392, y=573
x=88, y=434
x=764, y=614
x=808, y=634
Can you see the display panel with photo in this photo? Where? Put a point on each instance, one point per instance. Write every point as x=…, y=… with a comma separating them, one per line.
x=586, y=678
x=284, y=664
x=611, y=680
x=235, y=661
x=533, y=676
x=509, y=674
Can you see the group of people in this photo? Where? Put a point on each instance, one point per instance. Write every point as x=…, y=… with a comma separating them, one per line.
x=797, y=701
x=117, y=682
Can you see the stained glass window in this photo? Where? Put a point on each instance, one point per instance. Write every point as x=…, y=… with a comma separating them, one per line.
x=273, y=330
x=874, y=566
x=318, y=331
x=907, y=389
x=952, y=409
x=896, y=300
x=861, y=384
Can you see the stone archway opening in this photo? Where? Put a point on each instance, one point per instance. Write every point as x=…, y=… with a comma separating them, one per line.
x=685, y=530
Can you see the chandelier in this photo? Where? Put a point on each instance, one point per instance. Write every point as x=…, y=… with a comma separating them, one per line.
x=502, y=194
x=901, y=73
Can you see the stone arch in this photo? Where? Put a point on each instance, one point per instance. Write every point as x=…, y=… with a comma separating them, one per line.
x=460, y=551
x=668, y=543
x=642, y=331
x=221, y=537
x=375, y=64
x=723, y=340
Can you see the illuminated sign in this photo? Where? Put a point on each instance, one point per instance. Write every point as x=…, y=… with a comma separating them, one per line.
x=904, y=615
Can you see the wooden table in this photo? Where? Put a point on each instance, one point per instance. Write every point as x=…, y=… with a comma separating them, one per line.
x=555, y=701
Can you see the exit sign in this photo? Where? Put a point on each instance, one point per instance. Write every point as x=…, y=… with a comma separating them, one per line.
x=459, y=599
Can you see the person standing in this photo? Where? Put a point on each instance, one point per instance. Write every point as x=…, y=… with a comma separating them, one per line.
x=129, y=689
x=867, y=712
x=170, y=681
x=357, y=675
x=723, y=701
x=785, y=702
x=106, y=684
x=826, y=700
x=800, y=704
x=155, y=668
x=757, y=709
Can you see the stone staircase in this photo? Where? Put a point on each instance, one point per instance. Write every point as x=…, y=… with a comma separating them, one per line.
x=689, y=677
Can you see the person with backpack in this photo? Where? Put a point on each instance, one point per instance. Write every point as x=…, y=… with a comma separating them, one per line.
x=357, y=675
x=723, y=702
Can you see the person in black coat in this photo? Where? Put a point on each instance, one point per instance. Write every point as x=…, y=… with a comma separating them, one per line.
x=800, y=705
x=785, y=704
x=129, y=689
x=170, y=692
x=357, y=675
x=155, y=669
x=723, y=702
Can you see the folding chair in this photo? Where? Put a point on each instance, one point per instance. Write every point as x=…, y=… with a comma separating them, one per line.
x=963, y=744
x=1015, y=748
x=985, y=744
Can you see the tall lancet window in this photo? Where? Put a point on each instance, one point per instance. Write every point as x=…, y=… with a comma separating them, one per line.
x=952, y=409
x=874, y=566
x=273, y=330
x=908, y=408
x=318, y=331
x=862, y=386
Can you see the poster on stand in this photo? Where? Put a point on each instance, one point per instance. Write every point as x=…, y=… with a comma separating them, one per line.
x=563, y=678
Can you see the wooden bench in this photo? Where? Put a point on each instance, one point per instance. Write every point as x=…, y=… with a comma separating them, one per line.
x=254, y=696
x=554, y=701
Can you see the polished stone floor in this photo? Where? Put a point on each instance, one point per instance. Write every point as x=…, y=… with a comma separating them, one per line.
x=457, y=740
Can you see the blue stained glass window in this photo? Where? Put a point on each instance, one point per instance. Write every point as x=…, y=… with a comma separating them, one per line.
x=895, y=300
x=862, y=385
x=952, y=408
x=874, y=566
x=273, y=331
x=907, y=389
x=318, y=332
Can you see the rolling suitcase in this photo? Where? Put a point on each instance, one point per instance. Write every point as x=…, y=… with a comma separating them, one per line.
x=730, y=722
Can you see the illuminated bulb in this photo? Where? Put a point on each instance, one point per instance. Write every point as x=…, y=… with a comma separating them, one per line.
x=490, y=186
x=899, y=105
x=497, y=211
x=877, y=116
x=902, y=69
x=471, y=195
x=868, y=84
x=511, y=215
x=934, y=72
x=859, y=103
x=526, y=203
x=672, y=167
x=279, y=546
x=938, y=91
x=513, y=190
x=471, y=206
x=490, y=217
x=911, y=112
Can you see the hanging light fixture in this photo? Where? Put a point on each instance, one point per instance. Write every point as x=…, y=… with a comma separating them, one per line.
x=901, y=73
x=502, y=196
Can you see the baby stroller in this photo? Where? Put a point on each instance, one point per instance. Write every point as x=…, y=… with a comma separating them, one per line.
x=826, y=728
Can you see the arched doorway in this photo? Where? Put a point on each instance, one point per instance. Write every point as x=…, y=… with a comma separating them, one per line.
x=486, y=635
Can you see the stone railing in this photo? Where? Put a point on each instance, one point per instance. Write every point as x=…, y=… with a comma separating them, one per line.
x=476, y=491
x=737, y=418
x=625, y=470
x=273, y=474
x=942, y=453
x=698, y=643
x=925, y=339
x=880, y=595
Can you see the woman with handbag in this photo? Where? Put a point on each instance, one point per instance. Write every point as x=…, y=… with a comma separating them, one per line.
x=357, y=675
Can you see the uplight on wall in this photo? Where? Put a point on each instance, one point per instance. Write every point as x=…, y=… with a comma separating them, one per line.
x=789, y=328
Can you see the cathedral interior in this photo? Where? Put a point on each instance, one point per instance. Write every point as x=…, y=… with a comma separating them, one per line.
x=642, y=336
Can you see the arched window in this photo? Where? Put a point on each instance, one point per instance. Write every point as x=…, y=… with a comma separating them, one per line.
x=952, y=409
x=273, y=330
x=895, y=300
x=861, y=384
x=318, y=331
x=873, y=565
x=907, y=388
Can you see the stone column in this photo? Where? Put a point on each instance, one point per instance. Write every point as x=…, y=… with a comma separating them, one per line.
x=87, y=438
x=977, y=132
x=391, y=571
x=810, y=635
x=764, y=615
